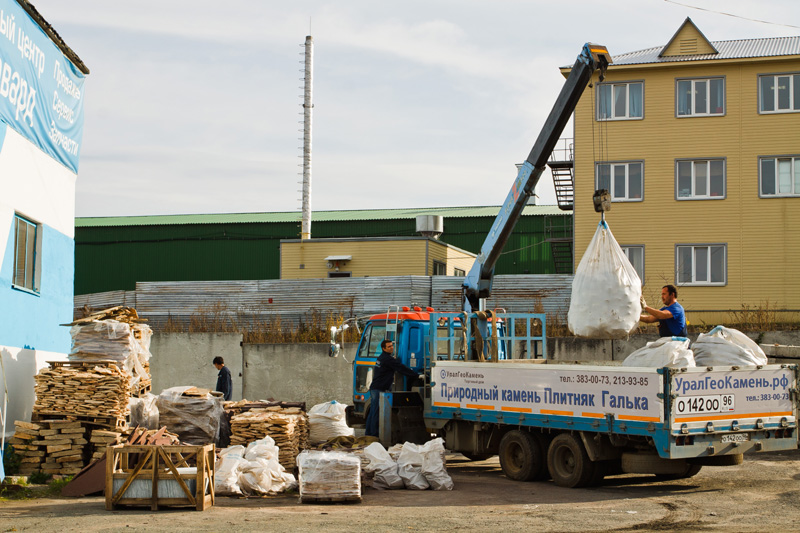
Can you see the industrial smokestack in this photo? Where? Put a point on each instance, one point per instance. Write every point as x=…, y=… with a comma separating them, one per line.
x=308, y=106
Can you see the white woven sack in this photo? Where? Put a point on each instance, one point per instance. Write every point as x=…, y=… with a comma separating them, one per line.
x=380, y=462
x=409, y=465
x=727, y=346
x=606, y=291
x=673, y=352
x=326, y=421
x=433, y=466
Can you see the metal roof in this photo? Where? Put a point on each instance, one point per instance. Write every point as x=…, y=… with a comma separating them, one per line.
x=316, y=216
x=738, y=49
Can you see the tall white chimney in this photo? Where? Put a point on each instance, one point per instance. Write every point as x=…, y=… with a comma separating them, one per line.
x=308, y=106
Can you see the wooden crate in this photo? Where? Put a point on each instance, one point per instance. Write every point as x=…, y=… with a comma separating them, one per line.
x=157, y=466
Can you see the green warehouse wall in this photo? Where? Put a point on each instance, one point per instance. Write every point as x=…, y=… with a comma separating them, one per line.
x=115, y=253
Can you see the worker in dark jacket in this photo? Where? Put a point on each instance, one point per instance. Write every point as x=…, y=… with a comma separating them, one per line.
x=224, y=380
x=382, y=379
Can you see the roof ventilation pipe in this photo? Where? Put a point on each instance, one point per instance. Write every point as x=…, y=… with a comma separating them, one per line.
x=430, y=225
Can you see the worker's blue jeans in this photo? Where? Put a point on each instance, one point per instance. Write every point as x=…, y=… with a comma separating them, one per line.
x=373, y=415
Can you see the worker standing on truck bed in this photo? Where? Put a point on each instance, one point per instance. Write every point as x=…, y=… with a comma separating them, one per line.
x=671, y=318
x=382, y=379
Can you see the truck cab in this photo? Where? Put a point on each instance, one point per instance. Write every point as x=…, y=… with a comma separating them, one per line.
x=407, y=327
x=410, y=329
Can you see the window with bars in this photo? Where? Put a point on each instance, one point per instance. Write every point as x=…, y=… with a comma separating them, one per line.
x=701, y=264
x=700, y=97
x=26, y=236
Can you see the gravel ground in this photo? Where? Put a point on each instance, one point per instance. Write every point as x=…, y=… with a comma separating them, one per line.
x=763, y=494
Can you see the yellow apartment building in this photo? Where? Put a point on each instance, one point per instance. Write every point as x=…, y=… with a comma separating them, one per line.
x=377, y=256
x=698, y=143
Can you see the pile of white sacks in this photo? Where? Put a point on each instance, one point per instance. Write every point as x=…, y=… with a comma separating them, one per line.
x=418, y=467
x=252, y=470
x=719, y=347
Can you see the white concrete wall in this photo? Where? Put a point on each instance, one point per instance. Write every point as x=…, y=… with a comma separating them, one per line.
x=18, y=368
x=184, y=359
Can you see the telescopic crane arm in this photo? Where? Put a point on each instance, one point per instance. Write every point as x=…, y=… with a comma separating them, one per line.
x=478, y=282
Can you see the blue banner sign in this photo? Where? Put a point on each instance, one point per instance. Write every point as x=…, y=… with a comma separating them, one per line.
x=41, y=91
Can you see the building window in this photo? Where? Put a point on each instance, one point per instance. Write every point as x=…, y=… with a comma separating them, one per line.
x=701, y=97
x=459, y=273
x=340, y=274
x=779, y=93
x=439, y=268
x=701, y=264
x=635, y=254
x=26, y=241
x=779, y=176
x=625, y=181
x=620, y=101
x=700, y=179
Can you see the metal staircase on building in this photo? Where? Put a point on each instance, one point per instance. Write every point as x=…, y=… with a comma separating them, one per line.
x=560, y=236
x=561, y=249
x=561, y=165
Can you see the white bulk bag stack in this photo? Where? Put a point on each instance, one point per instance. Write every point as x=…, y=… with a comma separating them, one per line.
x=673, y=352
x=606, y=291
x=727, y=346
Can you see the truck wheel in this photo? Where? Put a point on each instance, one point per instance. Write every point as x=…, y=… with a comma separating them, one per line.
x=568, y=462
x=521, y=457
x=691, y=470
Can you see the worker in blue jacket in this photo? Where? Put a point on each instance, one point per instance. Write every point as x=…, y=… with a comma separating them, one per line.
x=382, y=379
x=671, y=318
x=224, y=380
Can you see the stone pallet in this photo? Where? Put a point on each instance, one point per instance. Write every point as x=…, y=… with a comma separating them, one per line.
x=53, y=447
x=89, y=389
x=288, y=427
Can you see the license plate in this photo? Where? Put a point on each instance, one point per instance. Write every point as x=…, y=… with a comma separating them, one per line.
x=736, y=437
x=695, y=405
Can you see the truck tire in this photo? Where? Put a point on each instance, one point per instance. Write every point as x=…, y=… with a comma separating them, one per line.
x=691, y=470
x=568, y=462
x=521, y=456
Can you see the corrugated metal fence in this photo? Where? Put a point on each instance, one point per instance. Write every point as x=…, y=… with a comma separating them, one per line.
x=294, y=300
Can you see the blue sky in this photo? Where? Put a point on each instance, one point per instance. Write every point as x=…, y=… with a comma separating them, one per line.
x=194, y=106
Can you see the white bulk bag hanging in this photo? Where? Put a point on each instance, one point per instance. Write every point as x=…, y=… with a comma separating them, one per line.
x=606, y=290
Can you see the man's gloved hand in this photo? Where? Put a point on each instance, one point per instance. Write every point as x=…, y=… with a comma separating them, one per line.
x=641, y=301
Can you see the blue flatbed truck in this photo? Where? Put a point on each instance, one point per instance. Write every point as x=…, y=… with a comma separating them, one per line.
x=488, y=389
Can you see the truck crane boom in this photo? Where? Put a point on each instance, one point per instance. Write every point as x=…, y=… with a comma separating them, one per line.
x=478, y=282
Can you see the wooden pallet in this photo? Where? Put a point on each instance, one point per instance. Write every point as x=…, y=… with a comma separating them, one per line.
x=142, y=390
x=329, y=499
x=109, y=422
x=82, y=364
